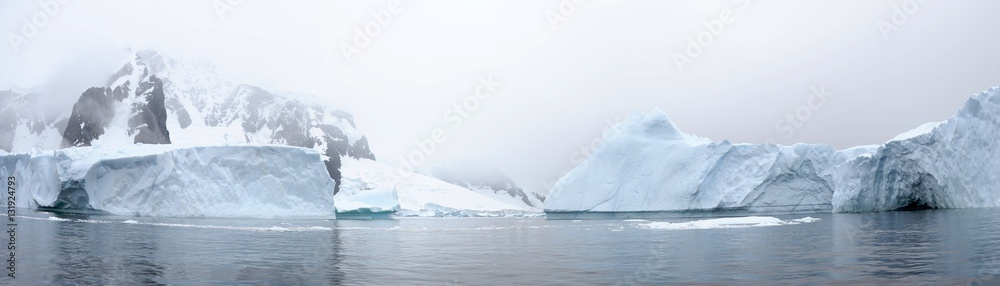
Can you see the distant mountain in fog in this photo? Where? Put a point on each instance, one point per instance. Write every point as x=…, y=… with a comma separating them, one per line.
x=486, y=180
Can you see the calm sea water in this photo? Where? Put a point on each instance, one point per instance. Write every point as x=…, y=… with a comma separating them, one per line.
x=953, y=247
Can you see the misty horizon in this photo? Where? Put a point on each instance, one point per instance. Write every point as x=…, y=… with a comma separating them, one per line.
x=547, y=78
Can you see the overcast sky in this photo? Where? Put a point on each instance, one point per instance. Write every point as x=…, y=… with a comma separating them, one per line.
x=843, y=73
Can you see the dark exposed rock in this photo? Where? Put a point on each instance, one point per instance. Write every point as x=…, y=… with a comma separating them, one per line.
x=149, y=116
x=360, y=150
x=96, y=108
x=333, y=167
x=91, y=114
x=121, y=92
x=8, y=121
x=124, y=71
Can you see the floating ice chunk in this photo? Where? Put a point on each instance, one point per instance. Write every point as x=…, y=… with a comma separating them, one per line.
x=805, y=220
x=729, y=222
x=732, y=222
x=372, y=200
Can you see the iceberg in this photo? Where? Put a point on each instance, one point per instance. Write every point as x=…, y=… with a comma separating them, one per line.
x=950, y=164
x=648, y=166
x=174, y=181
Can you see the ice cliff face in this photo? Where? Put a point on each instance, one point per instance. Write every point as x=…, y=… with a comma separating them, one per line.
x=174, y=181
x=648, y=165
x=952, y=164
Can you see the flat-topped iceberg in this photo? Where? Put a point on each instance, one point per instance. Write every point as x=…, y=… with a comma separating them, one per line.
x=646, y=164
x=173, y=181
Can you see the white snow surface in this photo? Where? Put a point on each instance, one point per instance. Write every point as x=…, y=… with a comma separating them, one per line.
x=24, y=139
x=646, y=164
x=177, y=181
x=375, y=185
x=920, y=130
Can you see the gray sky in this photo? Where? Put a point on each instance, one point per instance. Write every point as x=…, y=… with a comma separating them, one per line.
x=564, y=70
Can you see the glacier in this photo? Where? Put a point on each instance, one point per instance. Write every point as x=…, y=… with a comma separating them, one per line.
x=370, y=187
x=176, y=181
x=646, y=165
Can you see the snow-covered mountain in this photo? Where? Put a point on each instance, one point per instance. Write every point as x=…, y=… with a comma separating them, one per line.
x=648, y=165
x=487, y=181
x=156, y=99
